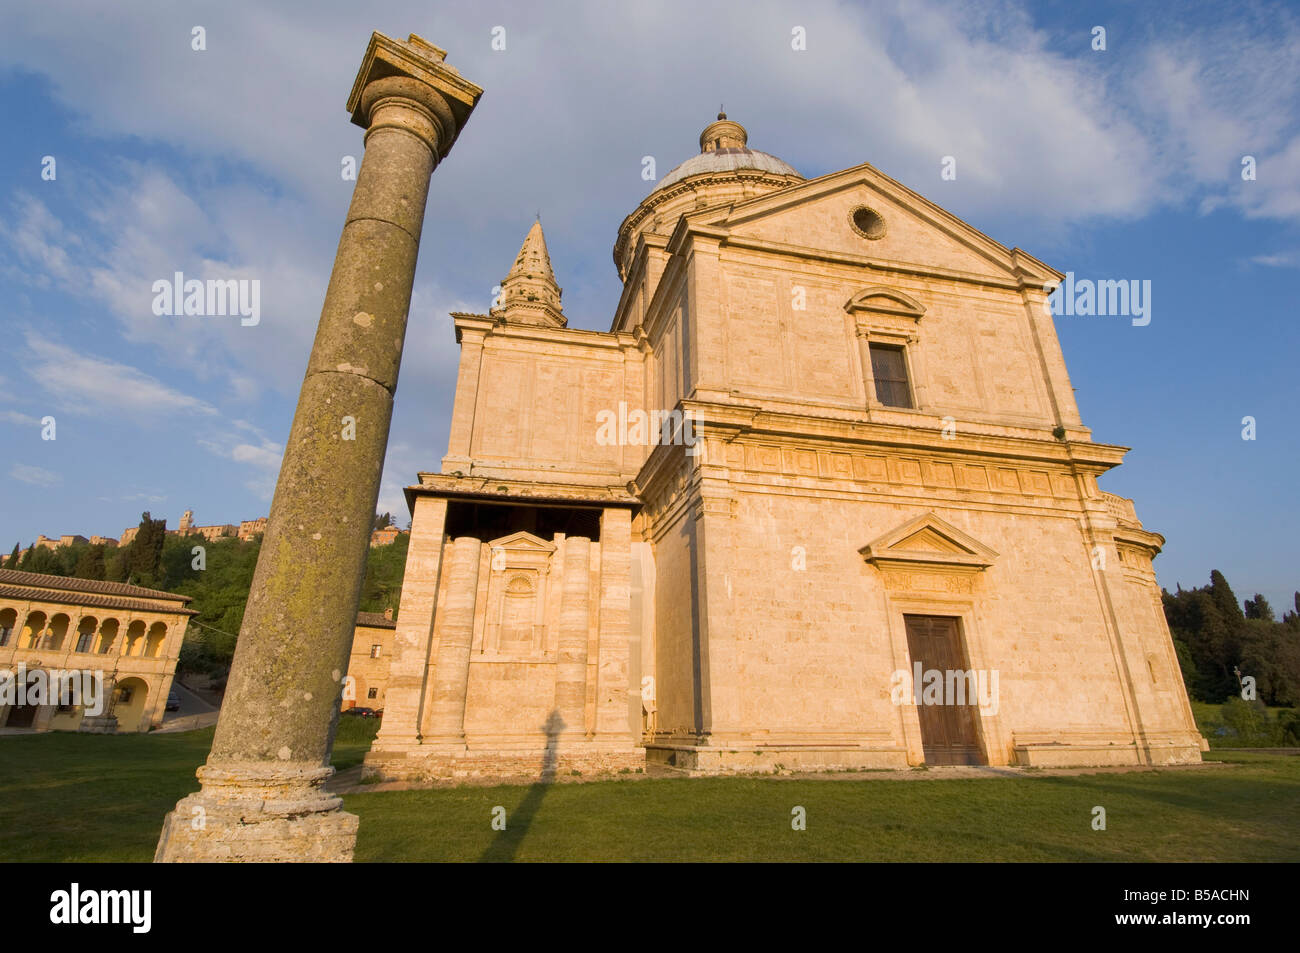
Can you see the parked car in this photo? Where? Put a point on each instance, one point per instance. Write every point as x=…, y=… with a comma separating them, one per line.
x=358, y=712
x=173, y=701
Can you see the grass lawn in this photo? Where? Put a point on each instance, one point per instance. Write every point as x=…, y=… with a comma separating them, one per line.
x=69, y=797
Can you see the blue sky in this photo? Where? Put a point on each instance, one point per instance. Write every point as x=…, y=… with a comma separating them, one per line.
x=1122, y=163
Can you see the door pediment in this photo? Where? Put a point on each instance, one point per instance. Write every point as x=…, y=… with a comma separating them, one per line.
x=930, y=541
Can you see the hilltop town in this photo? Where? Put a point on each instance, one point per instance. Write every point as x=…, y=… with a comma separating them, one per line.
x=245, y=530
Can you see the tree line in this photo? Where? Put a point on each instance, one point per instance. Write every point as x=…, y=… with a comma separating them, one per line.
x=1221, y=642
x=218, y=590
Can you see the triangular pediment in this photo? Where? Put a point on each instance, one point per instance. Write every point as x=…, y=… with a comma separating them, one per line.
x=913, y=231
x=929, y=539
x=522, y=542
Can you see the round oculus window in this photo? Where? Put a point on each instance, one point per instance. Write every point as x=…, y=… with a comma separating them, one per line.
x=867, y=222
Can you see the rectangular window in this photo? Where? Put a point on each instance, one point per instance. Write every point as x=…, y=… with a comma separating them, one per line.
x=372, y=693
x=889, y=368
x=374, y=651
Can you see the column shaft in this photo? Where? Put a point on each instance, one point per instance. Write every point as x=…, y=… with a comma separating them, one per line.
x=456, y=637
x=571, y=663
x=615, y=622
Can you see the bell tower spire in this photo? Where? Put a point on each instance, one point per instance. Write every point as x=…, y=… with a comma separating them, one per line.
x=529, y=294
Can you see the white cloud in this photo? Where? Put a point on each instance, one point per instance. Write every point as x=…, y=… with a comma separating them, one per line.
x=83, y=384
x=17, y=417
x=39, y=240
x=262, y=456
x=37, y=476
x=1281, y=259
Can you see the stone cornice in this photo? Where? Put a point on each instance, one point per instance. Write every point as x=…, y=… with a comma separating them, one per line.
x=496, y=489
x=490, y=326
x=1153, y=543
x=750, y=421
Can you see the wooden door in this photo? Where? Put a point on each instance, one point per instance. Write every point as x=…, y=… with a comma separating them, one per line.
x=949, y=733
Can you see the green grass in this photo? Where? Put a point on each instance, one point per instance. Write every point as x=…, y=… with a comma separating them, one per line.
x=1250, y=812
x=69, y=797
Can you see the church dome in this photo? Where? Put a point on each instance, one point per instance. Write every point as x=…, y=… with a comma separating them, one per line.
x=725, y=171
x=723, y=148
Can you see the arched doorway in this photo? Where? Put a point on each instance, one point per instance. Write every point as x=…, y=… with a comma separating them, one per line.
x=132, y=697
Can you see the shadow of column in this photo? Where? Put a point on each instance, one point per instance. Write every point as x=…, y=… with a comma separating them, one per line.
x=506, y=844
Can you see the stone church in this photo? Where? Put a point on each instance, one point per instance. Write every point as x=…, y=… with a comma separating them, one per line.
x=819, y=498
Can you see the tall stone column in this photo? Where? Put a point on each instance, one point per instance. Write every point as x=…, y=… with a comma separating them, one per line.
x=456, y=639
x=262, y=796
x=571, y=660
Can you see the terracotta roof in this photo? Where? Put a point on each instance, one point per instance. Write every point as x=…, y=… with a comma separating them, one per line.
x=69, y=598
x=375, y=620
x=16, y=578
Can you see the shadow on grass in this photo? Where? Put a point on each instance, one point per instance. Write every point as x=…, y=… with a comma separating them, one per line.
x=506, y=844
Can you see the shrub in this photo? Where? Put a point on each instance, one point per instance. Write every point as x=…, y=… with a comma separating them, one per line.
x=1249, y=722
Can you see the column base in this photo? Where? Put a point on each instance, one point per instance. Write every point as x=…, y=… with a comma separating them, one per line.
x=259, y=813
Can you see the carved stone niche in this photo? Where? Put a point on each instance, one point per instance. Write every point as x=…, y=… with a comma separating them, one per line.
x=928, y=554
x=516, y=597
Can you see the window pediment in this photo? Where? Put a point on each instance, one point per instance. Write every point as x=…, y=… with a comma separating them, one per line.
x=522, y=542
x=881, y=300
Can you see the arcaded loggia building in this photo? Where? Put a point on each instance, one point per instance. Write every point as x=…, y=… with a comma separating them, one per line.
x=819, y=497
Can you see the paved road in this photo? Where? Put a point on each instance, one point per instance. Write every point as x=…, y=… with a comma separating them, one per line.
x=194, y=712
x=191, y=704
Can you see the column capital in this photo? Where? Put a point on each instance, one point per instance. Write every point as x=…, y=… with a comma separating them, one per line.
x=433, y=101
